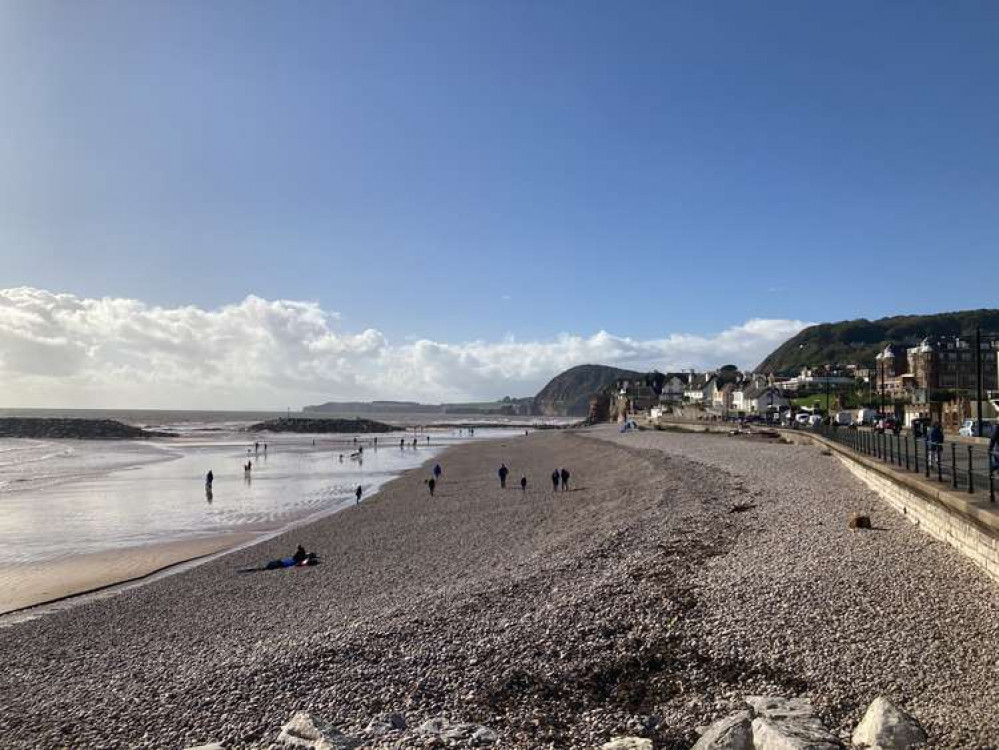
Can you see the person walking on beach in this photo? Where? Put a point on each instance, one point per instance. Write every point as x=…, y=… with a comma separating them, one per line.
x=556, y=478
x=564, y=475
x=438, y=471
x=357, y=494
x=523, y=484
x=431, y=483
x=209, y=478
x=503, y=471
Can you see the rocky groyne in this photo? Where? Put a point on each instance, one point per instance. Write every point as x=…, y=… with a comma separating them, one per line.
x=320, y=425
x=81, y=429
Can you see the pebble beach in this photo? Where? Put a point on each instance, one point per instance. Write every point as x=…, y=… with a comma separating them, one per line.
x=678, y=574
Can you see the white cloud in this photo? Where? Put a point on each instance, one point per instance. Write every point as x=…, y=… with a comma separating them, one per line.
x=63, y=350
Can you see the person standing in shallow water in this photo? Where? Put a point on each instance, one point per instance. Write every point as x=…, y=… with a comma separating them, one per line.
x=357, y=494
x=503, y=471
x=209, y=478
x=556, y=478
x=564, y=475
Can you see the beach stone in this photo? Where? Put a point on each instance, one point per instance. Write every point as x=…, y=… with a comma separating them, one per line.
x=781, y=709
x=770, y=734
x=384, y=723
x=887, y=727
x=308, y=731
x=627, y=743
x=474, y=733
x=734, y=732
x=858, y=521
x=433, y=726
x=210, y=746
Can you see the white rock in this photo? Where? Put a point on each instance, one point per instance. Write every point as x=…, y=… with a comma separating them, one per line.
x=475, y=734
x=734, y=732
x=781, y=709
x=483, y=736
x=769, y=734
x=627, y=743
x=307, y=731
x=433, y=726
x=384, y=723
x=887, y=727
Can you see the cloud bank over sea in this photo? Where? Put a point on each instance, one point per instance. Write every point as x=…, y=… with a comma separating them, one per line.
x=61, y=350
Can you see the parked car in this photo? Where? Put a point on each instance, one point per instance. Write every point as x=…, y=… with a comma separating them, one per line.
x=802, y=417
x=970, y=428
x=843, y=418
x=815, y=419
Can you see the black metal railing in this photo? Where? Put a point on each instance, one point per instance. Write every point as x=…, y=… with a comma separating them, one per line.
x=963, y=466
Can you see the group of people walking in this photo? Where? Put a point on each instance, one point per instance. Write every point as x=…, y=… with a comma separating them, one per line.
x=560, y=478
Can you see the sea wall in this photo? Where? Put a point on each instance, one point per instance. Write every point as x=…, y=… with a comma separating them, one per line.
x=974, y=538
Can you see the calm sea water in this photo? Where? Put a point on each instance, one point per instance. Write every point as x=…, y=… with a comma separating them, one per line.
x=60, y=498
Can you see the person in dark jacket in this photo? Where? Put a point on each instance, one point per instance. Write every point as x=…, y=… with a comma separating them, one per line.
x=556, y=478
x=564, y=475
x=357, y=493
x=523, y=484
x=934, y=443
x=438, y=471
x=431, y=483
x=503, y=471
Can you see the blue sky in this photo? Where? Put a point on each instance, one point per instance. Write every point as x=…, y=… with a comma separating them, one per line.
x=472, y=170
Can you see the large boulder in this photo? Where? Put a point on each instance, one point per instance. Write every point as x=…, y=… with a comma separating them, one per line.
x=769, y=734
x=782, y=709
x=307, y=731
x=734, y=732
x=627, y=743
x=887, y=727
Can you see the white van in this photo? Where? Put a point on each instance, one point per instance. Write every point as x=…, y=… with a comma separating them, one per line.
x=865, y=416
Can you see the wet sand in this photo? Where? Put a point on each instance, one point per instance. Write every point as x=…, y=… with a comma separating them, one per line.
x=23, y=585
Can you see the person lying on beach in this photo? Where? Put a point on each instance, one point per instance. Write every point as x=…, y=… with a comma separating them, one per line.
x=300, y=559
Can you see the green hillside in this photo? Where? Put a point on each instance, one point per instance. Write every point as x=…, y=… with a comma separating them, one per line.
x=857, y=341
x=568, y=393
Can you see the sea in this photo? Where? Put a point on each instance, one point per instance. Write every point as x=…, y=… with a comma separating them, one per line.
x=61, y=497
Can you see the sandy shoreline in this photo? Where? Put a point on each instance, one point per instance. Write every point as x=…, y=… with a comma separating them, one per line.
x=23, y=586
x=636, y=603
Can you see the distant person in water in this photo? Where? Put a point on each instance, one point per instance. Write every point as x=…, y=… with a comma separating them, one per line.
x=438, y=471
x=564, y=474
x=556, y=479
x=428, y=440
x=357, y=494
x=503, y=471
x=431, y=483
x=523, y=484
x=376, y=442
x=341, y=458
x=209, y=478
x=414, y=442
